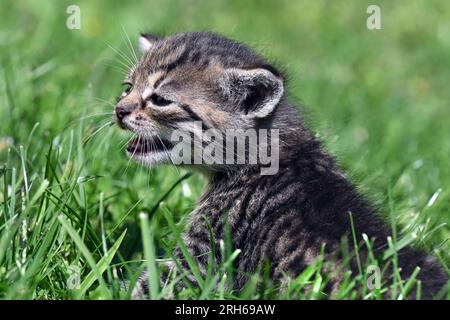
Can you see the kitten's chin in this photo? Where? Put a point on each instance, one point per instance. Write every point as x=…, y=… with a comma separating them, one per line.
x=149, y=150
x=151, y=159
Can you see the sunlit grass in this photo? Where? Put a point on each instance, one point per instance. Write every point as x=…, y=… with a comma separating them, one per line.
x=70, y=201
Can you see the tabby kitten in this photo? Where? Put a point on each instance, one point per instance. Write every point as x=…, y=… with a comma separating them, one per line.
x=284, y=218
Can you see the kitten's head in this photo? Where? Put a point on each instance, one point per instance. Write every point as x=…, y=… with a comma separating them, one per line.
x=188, y=78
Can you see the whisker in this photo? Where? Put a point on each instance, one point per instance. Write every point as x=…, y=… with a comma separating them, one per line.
x=99, y=145
x=167, y=153
x=132, y=155
x=105, y=101
x=123, y=72
x=113, y=63
x=129, y=43
x=81, y=119
x=126, y=142
x=103, y=126
x=123, y=60
x=123, y=55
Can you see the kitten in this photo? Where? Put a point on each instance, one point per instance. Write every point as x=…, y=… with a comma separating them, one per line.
x=284, y=217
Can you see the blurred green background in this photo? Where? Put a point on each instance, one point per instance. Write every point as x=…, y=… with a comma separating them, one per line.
x=379, y=99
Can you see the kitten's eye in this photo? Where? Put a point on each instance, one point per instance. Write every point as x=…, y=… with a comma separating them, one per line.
x=159, y=101
x=128, y=88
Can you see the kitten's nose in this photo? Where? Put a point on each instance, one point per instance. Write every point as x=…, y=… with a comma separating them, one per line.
x=123, y=110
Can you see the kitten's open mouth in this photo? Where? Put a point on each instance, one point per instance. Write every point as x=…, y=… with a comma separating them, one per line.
x=141, y=145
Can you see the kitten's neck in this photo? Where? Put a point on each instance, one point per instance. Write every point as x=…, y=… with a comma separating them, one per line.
x=298, y=150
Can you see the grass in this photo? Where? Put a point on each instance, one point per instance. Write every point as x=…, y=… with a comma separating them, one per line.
x=71, y=202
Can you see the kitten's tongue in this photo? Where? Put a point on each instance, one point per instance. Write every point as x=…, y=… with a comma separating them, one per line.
x=140, y=145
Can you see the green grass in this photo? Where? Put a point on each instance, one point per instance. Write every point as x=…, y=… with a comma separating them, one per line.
x=70, y=200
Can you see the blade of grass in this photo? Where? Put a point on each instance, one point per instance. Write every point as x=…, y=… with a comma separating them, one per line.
x=102, y=265
x=150, y=256
x=187, y=255
x=409, y=284
x=84, y=250
x=10, y=232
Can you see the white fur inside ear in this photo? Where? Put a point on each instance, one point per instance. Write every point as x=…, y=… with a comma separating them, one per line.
x=272, y=100
x=145, y=44
x=262, y=76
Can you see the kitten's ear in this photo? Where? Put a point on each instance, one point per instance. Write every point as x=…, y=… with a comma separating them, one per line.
x=257, y=91
x=146, y=41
